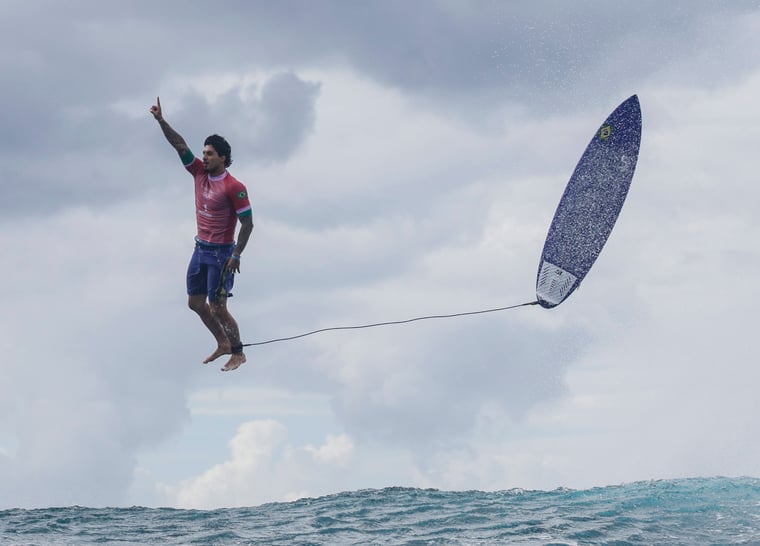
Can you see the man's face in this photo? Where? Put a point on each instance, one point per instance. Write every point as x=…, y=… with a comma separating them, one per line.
x=213, y=163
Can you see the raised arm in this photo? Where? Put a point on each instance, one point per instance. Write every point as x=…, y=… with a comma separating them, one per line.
x=174, y=138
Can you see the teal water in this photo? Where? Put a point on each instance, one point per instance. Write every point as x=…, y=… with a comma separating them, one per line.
x=690, y=512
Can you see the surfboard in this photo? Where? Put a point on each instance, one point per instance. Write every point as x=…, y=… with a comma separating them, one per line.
x=590, y=205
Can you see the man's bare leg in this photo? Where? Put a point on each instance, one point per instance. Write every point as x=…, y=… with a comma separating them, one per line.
x=230, y=327
x=199, y=305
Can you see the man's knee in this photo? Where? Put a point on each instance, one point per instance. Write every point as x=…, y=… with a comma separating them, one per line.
x=218, y=309
x=197, y=303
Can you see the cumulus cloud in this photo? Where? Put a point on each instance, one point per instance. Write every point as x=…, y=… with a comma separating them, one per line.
x=262, y=466
x=244, y=479
x=337, y=449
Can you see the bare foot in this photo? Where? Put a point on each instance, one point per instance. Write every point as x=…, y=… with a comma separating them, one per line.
x=234, y=362
x=220, y=350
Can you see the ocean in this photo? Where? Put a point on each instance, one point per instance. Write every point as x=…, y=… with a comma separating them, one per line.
x=695, y=511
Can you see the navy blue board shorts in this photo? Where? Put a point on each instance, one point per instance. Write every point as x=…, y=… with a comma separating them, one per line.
x=205, y=269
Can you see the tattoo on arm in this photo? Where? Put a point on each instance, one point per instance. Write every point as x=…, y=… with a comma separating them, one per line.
x=174, y=138
x=246, y=227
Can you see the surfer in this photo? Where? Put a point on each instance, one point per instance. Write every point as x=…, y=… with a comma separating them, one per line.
x=220, y=201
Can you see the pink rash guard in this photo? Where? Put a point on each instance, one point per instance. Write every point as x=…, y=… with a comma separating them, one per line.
x=219, y=201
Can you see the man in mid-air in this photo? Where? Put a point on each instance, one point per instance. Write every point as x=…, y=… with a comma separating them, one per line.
x=220, y=201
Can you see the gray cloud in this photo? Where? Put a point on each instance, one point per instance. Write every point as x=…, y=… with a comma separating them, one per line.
x=77, y=61
x=539, y=54
x=105, y=387
x=442, y=376
x=268, y=124
x=84, y=54
x=93, y=156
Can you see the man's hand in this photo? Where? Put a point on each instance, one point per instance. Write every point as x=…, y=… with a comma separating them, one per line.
x=156, y=110
x=233, y=264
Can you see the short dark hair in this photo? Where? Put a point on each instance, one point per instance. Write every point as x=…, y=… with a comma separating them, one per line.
x=221, y=146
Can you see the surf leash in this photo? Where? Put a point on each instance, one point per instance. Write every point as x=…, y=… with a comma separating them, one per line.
x=389, y=323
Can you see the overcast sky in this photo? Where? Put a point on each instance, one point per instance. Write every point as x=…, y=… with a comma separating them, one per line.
x=403, y=159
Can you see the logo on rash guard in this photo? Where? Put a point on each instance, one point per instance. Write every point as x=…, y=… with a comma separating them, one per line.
x=241, y=194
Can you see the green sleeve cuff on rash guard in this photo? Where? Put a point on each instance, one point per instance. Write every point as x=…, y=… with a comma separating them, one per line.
x=187, y=158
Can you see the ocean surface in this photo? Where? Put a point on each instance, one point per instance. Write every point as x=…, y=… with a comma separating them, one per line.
x=690, y=511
